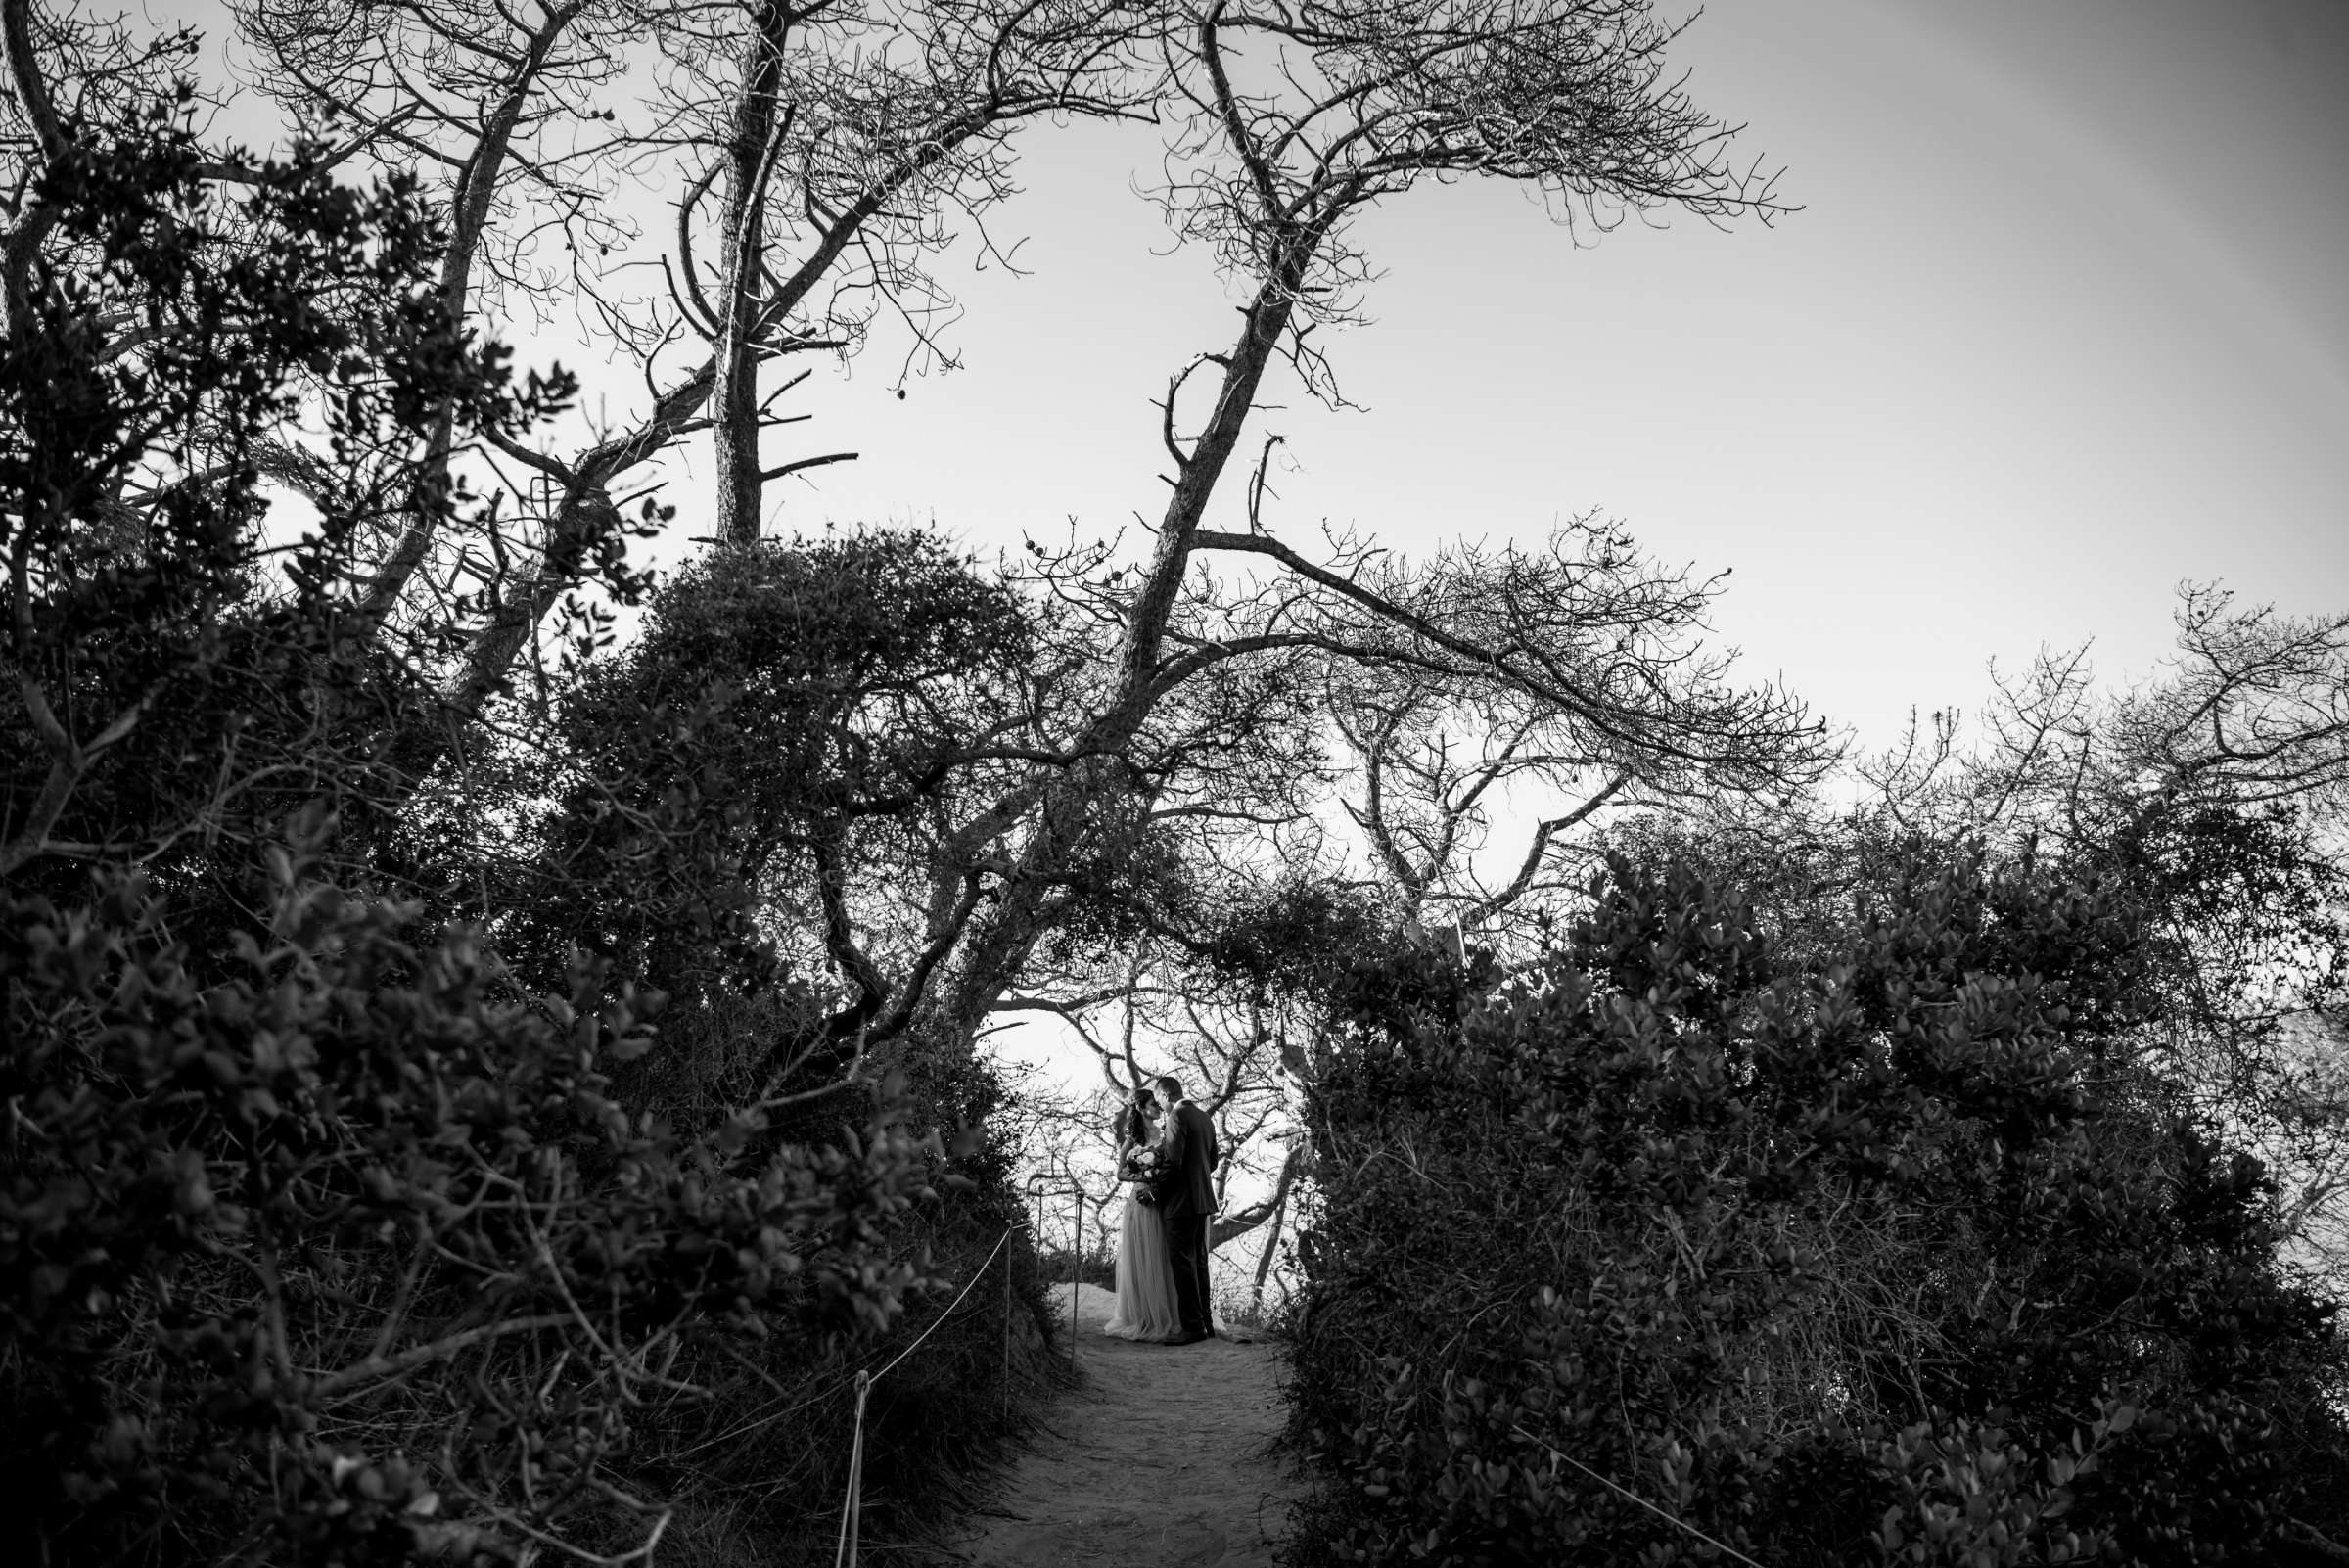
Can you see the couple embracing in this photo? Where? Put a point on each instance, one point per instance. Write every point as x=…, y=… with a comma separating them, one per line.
x=1167, y=1153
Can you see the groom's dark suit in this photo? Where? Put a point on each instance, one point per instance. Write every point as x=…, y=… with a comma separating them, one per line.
x=1190, y=1210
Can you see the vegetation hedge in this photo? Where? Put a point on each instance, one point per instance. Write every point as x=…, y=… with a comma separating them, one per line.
x=1870, y=1259
x=348, y=1254
x=347, y=1215
x=757, y=1467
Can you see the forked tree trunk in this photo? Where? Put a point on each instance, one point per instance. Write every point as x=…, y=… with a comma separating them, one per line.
x=998, y=949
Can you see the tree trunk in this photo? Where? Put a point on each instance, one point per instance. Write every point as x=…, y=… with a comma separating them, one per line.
x=475, y=192
x=1247, y=1220
x=1263, y=1261
x=750, y=161
x=1000, y=948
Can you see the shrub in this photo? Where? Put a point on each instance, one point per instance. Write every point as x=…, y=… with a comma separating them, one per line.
x=325, y=1233
x=1864, y=1263
x=756, y=1469
x=722, y=798
x=350, y=1252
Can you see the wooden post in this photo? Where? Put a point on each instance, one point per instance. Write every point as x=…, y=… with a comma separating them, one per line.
x=853, y=1508
x=1007, y=1255
x=1075, y=1264
x=1037, y=1184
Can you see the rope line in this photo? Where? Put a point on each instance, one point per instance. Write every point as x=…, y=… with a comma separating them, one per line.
x=1555, y=1453
x=851, y=1507
x=976, y=1274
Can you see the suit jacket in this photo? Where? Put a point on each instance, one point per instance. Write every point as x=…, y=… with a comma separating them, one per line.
x=1191, y=1152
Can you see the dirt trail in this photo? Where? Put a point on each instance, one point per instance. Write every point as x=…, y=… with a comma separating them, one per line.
x=1160, y=1461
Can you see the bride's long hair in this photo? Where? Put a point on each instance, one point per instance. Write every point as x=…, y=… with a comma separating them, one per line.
x=1133, y=1123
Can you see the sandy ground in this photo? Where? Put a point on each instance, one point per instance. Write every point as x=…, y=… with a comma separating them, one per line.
x=1161, y=1461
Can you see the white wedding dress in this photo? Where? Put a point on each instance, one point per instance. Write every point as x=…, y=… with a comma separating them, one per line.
x=1146, y=1307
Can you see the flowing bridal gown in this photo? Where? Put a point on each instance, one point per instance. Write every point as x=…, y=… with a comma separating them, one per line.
x=1146, y=1309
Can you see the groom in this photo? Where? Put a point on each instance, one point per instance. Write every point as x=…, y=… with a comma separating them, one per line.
x=1188, y=1210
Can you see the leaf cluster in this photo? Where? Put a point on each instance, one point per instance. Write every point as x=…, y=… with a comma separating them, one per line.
x=1852, y=1260
x=775, y=748
x=326, y=1231
x=357, y=1197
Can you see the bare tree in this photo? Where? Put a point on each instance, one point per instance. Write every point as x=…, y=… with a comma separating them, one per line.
x=815, y=151
x=2222, y=783
x=1440, y=765
x=2251, y=709
x=1294, y=122
x=811, y=156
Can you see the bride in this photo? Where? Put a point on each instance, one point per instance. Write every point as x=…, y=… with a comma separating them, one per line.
x=1146, y=1309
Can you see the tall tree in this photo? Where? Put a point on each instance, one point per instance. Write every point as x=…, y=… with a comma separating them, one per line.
x=814, y=151
x=810, y=156
x=1293, y=124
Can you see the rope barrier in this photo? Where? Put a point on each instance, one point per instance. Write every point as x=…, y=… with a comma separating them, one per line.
x=851, y=1507
x=976, y=1274
x=1684, y=1524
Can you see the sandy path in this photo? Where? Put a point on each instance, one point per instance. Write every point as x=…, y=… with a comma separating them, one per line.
x=1161, y=1461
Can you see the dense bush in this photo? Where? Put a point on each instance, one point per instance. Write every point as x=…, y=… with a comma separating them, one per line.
x=726, y=798
x=757, y=1468
x=354, y=1252
x=767, y=757
x=325, y=1233
x=1866, y=1262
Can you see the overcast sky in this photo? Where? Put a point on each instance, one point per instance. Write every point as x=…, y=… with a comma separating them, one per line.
x=2061, y=323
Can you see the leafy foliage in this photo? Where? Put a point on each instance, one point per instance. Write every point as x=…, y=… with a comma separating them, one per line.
x=789, y=715
x=162, y=338
x=325, y=1234
x=1857, y=1259
x=264, y=1233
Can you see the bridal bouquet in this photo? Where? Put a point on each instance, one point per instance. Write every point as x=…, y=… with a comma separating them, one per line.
x=1142, y=1168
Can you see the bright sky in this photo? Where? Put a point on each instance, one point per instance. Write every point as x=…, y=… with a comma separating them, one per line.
x=2059, y=325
